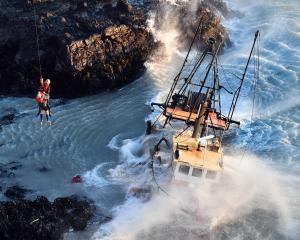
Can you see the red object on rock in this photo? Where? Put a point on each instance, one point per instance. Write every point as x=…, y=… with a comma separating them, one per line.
x=77, y=179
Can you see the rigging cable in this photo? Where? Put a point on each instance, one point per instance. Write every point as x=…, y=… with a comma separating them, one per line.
x=233, y=74
x=154, y=178
x=255, y=81
x=157, y=119
x=37, y=39
x=225, y=73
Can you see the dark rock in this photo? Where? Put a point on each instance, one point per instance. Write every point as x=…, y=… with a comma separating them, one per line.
x=16, y=192
x=14, y=165
x=83, y=48
x=78, y=223
x=142, y=192
x=7, y=119
x=187, y=15
x=41, y=219
x=10, y=117
x=43, y=169
x=75, y=212
x=87, y=46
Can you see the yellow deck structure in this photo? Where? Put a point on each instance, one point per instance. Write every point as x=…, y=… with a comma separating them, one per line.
x=208, y=156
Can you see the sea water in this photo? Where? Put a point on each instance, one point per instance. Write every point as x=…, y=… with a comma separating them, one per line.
x=102, y=138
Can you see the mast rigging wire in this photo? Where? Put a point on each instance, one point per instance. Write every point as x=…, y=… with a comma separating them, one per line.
x=255, y=82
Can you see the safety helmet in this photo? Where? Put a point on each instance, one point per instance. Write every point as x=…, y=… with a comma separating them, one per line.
x=48, y=81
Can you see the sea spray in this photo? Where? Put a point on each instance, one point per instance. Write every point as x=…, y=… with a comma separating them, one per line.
x=258, y=200
x=247, y=189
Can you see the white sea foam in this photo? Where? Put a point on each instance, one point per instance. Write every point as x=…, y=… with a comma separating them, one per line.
x=247, y=186
x=255, y=200
x=114, y=142
x=94, y=178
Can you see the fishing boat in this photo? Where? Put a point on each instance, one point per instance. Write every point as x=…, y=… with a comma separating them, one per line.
x=196, y=99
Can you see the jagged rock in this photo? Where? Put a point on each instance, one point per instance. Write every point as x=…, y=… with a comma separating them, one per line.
x=142, y=192
x=41, y=219
x=185, y=16
x=7, y=119
x=84, y=45
x=16, y=192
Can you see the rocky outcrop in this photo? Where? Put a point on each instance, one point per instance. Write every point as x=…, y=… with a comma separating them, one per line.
x=185, y=16
x=16, y=192
x=85, y=46
x=41, y=219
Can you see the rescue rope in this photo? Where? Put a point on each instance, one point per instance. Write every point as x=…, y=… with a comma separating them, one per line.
x=37, y=40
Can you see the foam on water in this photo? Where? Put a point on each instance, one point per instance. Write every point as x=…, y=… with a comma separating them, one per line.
x=258, y=197
x=114, y=142
x=222, y=210
x=98, y=137
x=93, y=177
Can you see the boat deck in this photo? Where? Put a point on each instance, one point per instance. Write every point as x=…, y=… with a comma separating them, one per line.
x=180, y=114
x=213, y=121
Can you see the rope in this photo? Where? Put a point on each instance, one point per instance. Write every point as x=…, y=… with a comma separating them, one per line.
x=153, y=125
x=154, y=178
x=37, y=40
x=183, y=131
x=255, y=81
x=225, y=73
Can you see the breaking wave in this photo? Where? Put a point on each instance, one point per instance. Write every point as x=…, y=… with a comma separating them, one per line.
x=258, y=196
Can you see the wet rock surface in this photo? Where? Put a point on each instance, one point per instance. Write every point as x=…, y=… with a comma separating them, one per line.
x=187, y=16
x=7, y=119
x=41, y=219
x=16, y=192
x=85, y=46
x=10, y=115
x=88, y=46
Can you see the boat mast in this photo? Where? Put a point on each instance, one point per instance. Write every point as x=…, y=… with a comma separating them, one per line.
x=237, y=92
x=202, y=113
